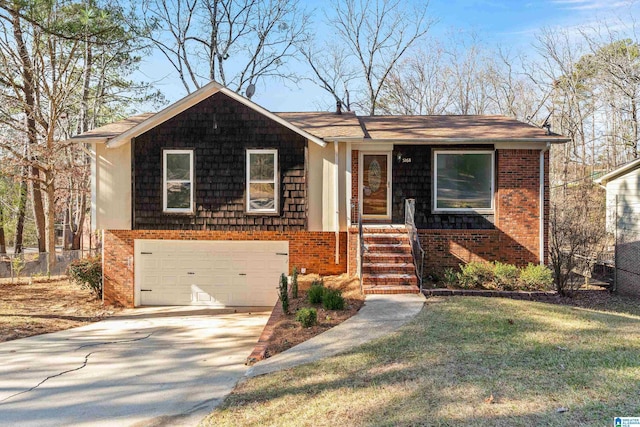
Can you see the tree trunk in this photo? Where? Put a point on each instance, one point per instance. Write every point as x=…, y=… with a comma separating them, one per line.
x=32, y=135
x=51, y=221
x=22, y=210
x=77, y=237
x=3, y=242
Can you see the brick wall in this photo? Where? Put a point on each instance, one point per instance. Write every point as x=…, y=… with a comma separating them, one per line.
x=515, y=238
x=313, y=250
x=219, y=130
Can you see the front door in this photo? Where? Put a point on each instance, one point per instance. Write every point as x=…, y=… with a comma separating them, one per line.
x=375, y=185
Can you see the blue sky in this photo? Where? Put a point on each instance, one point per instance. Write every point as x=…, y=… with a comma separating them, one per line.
x=509, y=23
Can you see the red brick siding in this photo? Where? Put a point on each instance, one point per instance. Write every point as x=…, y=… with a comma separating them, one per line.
x=352, y=266
x=517, y=211
x=313, y=250
x=518, y=205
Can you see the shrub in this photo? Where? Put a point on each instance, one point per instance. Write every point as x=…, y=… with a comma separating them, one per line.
x=449, y=277
x=316, y=292
x=505, y=276
x=333, y=300
x=475, y=275
x=307, y=317
x=284, y=293
x=87, y=273
x=294, y=283
x=536, y=277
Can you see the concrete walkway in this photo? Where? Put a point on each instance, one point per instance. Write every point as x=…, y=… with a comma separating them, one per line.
x=380, y=315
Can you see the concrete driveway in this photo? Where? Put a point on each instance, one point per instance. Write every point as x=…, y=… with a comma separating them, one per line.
x=146, y=367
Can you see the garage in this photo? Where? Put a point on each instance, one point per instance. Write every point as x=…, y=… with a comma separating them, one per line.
x=209, y=273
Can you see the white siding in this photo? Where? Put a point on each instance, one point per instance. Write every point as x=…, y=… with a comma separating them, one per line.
x=111, y=201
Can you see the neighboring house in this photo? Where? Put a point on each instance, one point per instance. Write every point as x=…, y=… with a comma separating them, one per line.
x=623, y=221
x=209, y=200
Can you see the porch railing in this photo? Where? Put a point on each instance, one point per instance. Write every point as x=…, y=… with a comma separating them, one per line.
x=416, y=247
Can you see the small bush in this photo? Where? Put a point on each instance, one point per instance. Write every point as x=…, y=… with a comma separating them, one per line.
x=449, y=277
x=475, y=275
x=333, y=300
x=307, y=317
x=536, y=277
x=316, y=292
x=505, y=276
x=283, y=291
x=87, y=273
x=294, y=283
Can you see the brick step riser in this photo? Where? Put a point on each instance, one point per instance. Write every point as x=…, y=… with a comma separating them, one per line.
x=390, y=290
x=378, y=281
x=389, y=269
x=384, y=258
x=389, y=249
x=385, y=241
x=371, y=230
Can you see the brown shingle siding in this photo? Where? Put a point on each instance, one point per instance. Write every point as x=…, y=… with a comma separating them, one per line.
x=220, y=131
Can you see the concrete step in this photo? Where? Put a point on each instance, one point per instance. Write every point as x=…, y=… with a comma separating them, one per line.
x=396, y=229
x=395, y=279
x=388, y=268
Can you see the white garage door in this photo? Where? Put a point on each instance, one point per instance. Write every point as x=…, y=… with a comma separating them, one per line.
x=212, y=273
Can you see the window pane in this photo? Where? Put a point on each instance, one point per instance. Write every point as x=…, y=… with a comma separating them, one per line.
x=262, y=197
x=464, y=181
x=178, y=195
x=261, y=166
x=178, y=166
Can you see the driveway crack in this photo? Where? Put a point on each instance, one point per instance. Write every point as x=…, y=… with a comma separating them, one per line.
x=114, y=342
x=86, y=361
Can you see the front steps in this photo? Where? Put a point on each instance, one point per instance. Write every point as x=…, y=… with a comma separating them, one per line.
x=387, y=265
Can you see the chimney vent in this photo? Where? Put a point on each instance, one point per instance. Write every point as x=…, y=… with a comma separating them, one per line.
x=338, y=107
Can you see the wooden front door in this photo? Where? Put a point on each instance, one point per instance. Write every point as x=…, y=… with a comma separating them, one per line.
x=375, y=185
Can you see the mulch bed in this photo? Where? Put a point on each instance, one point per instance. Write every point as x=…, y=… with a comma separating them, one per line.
x=283, y=331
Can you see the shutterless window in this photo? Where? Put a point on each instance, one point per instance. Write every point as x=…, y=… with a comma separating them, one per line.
x=463, y=180
x=177, y=182
x=262, y=183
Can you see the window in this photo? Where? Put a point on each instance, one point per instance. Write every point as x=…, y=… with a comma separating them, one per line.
x=177, y=181
x=463, y=181
x=262, y=183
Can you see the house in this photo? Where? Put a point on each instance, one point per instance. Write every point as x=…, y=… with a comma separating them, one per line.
x=211, y=199
x=622, y=187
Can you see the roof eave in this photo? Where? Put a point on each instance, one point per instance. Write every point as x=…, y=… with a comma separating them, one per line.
x=453, y=140
x=191, y=100
x=614, y=174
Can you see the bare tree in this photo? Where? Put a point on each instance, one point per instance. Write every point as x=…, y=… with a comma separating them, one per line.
x=421, y=84
x=234, y=42
x=377, y=34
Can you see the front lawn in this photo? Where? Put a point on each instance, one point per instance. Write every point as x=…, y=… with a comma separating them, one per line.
x=463, y=361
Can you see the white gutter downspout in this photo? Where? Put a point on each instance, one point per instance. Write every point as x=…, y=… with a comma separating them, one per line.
x=336, y=198
x=541, y=228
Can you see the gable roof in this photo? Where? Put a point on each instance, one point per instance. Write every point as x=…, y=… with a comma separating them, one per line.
x=617, y=173
x=450, y=127
x=326, y=125
x=137, y=125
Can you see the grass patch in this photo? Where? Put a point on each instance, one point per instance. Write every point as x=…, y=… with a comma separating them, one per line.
x=462, y=361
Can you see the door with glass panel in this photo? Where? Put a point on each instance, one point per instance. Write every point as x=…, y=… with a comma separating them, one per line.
x=375, y=185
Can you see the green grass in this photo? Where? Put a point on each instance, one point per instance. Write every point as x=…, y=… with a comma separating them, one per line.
x=463, y=361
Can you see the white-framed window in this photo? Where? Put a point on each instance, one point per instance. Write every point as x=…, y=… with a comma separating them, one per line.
x=262, y=181
x=463, y=181
x=177, y=181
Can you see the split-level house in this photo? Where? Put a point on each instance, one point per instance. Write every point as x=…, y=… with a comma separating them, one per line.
x=211, y=199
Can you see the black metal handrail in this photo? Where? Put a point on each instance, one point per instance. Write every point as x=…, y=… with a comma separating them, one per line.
x=356, y=215
x=412, y=231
